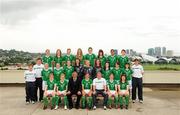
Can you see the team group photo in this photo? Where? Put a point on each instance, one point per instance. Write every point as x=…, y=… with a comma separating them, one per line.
x=55, y=80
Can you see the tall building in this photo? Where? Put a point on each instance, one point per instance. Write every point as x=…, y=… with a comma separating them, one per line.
x=127, y=51
x=170, y=53
x=158, y=51
x=164, y=51
x=116, y=51
x=151, y=51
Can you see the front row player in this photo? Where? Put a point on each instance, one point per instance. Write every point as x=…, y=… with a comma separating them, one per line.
x=50, y=91
x=123, y=88
x=87, y=91
x=112, y=91
x=61, y=91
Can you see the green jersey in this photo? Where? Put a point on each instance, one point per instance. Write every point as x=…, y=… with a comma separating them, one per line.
x=50, y=85
x=58, y=60
x=69, y=58
x=123, y=86
x=123, y=60
x=68, y=71
x=62, y=86
x=91, y=58
x=112, y=84
x=128, y=73
x=48, y=60
x=57, y=73
x=106, y=73
x=87, y=83
x=45, y=74
x=112, y=60
x=117, y=73
x=103, y=61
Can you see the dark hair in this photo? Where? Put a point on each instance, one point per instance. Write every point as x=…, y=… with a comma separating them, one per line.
x=136, y=59
x=127, y=64
x=39, y=59
x=100, y=51
x=123, y=50
x=79, y=61
x=105, y=65
x=117, y=63
x=112, y=50
x=90, y=48
x=121, y=77
x=96, y=62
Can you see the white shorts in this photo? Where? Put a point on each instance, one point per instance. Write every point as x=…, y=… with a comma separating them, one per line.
x=130, y=84
x=62, y=92
x=123, y=91
x=44, y=83
x=50, y=92
x=112, y=92
x=86, y=91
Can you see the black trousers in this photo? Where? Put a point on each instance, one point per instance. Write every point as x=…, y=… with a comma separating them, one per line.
x=101, y=92
x=69, y=96
x=38, y=86
x=30, y=89
x=137, y=84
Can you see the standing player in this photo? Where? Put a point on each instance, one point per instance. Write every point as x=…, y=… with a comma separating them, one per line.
x=68, y=70
x=38, y=69
x=62, y=86
x=58, y=71
x=112, y=59
x=69, y=57
x=123, y=59
x=50, y=90
x=30, y=78
x=112, y=91
x=80, y=56
x=47, y=58
x=58, y=58
x=98, y=67
x=102, y=58
x=90, y=56
x=106, y=71
x=87, y=91
x=78, y=67
x=123, y=91
x=117, y=72
x=45, y=75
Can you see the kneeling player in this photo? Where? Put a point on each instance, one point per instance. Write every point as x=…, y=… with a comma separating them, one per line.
x=50, y=92
x=123, y=91
x=62, y=85
x=112, y=91
x=87, y=91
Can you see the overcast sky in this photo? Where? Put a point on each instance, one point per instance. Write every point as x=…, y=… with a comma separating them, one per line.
x=34, y=25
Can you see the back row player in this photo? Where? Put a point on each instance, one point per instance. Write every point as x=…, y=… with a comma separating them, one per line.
x=62, y=60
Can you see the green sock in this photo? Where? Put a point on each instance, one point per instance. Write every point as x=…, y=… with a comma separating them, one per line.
x=57, y=100
x=53, y=101
x=83, y=101
x=45, y=101
x=116, y=100
x=127, y=100
x=121, y=100
x=109, y=101
x=90, y=102
x=65, y=100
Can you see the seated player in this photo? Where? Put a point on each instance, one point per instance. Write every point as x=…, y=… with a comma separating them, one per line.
x=61, y=86
x=50, y=92
x=123, y=88
x=112, y=91
x=87, y=91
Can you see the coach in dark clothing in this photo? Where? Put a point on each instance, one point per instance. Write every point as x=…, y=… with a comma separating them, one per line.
x=74, y=88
